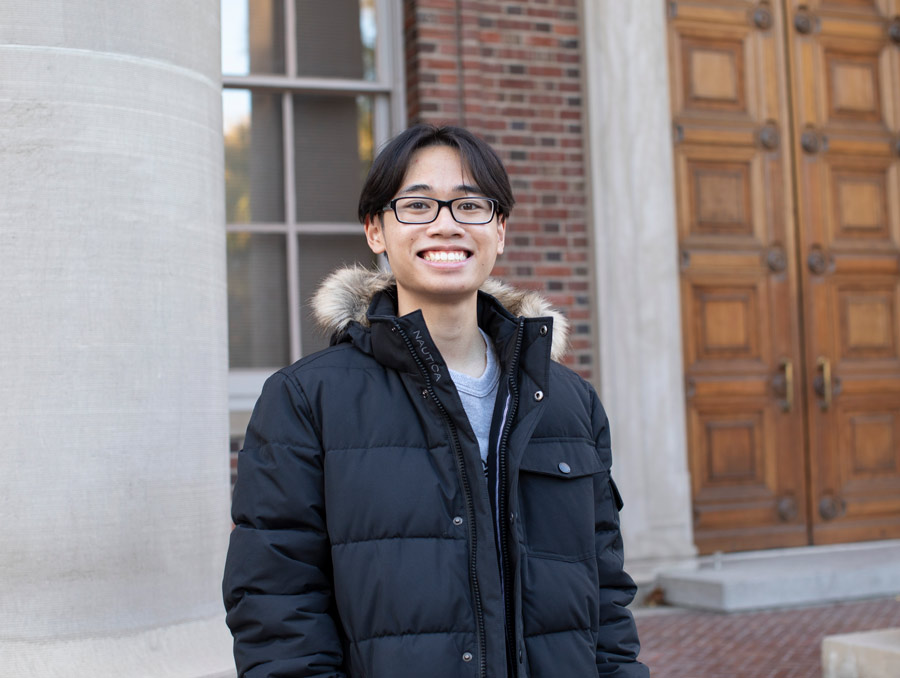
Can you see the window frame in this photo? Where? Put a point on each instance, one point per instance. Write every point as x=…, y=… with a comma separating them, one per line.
x=388, y=118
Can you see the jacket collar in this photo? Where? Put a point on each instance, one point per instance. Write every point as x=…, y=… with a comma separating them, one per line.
x=366, y=299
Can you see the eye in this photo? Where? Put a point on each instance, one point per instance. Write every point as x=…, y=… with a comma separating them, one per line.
x=473, y=205
x=415, y=205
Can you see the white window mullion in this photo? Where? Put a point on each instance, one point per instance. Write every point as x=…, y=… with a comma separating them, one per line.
x=381, y=121
x=386, y=93
x=290, y=38
x=290, y=206
x=390, y=58
x=290, y=203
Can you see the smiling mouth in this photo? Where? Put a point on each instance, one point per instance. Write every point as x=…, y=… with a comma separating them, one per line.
x=444, y=257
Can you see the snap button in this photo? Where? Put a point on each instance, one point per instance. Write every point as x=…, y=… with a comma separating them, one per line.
x=457, y=521
x=512, y=517
x=424, y=392
x=539, y=395
x=467, y=656
x=544, y=330
x=564, y=467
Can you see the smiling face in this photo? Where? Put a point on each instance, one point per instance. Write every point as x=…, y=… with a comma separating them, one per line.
x=443, y=262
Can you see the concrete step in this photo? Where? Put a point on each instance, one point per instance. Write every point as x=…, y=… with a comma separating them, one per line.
x=869, y=654
x=793, y=577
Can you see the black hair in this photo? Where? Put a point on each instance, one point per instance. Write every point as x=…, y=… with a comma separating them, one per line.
x=480, y=161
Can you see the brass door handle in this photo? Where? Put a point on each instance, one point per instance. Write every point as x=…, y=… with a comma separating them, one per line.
x=788, y=368
x=783, y=384
x=822, y=383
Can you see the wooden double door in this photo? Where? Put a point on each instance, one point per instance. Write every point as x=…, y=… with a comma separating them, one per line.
x=787, y=163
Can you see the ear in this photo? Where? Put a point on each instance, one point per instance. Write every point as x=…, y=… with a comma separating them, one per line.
x=501, y=234
x=375, y=234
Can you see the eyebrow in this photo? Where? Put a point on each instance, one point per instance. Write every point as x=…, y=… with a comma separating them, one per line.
x=462, y=188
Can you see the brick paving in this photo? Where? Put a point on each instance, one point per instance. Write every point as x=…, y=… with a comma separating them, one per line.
x=769, y=644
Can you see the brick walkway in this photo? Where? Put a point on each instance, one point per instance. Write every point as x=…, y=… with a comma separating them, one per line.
x=773, y=644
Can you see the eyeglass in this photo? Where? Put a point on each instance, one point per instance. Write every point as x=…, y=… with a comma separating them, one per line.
x=467, y=210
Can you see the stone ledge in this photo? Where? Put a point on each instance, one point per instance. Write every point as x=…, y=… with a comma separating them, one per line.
x=785, y=577
x=869, y=654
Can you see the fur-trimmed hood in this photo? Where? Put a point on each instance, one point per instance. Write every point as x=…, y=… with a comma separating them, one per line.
x=345, y=295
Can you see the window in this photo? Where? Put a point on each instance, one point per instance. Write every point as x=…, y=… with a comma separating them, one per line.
x=311, y=89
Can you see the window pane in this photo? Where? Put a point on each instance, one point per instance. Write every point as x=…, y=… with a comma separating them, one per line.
x=257, y=300
x=319, y=256
x=252, y=37
x=336, y=39
x=254, y=169
x=333, y=151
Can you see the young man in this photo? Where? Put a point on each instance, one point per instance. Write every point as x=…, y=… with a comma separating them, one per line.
x=430, y=497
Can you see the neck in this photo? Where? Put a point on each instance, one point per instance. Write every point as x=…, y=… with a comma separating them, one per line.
x=454, y=328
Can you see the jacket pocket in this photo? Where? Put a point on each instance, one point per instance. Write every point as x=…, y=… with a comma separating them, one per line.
x=617, y=498
x=557, y=499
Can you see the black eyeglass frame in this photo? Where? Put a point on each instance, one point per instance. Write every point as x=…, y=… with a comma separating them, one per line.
x=392, y=205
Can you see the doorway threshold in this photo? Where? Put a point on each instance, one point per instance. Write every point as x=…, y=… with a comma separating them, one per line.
x=809, y=575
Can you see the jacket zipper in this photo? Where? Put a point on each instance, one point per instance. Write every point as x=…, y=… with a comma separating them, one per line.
x=503, y=501
x=467, y=490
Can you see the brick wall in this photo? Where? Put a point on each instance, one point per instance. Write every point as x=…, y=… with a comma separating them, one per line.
x=511, y=72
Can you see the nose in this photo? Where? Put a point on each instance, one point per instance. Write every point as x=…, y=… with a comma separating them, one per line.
x=444, y=224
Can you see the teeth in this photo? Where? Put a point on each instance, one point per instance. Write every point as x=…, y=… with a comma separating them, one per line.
x=444, y=256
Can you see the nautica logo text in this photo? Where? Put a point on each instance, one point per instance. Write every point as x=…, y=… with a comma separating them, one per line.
x=426, y=355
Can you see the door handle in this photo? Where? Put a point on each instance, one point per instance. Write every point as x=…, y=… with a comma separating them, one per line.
x=822, y=383
x=784, y=384
x=788, y=368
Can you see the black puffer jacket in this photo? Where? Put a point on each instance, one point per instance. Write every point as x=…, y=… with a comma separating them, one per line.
x=366, y=544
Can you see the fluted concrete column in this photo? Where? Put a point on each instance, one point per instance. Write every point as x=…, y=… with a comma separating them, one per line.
x=633, y=194
x=113, y=463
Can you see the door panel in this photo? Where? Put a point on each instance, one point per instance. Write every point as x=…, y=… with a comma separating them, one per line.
x=738, y=289
x=846, y=75
x=782, y=103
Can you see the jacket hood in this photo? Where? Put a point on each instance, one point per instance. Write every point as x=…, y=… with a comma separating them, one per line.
x=345, y=295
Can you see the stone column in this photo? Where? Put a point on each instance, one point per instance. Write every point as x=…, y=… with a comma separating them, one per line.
x=113, y=468
x=635, y=256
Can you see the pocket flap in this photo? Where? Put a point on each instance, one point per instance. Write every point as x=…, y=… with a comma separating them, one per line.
x=561, y=460
x=616, y=496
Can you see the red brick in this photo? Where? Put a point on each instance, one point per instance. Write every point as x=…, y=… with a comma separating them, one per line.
x=781, y=643
x=566, y=29
x=512, y=73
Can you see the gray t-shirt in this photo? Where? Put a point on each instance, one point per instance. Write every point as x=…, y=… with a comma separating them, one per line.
x=478, y=395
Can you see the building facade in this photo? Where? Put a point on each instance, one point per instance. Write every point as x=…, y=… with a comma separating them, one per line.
x=515, y=73
x=709, y=190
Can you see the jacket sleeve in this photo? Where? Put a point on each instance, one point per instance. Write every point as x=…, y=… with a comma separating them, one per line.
x=617, y=642
x=278, y=585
